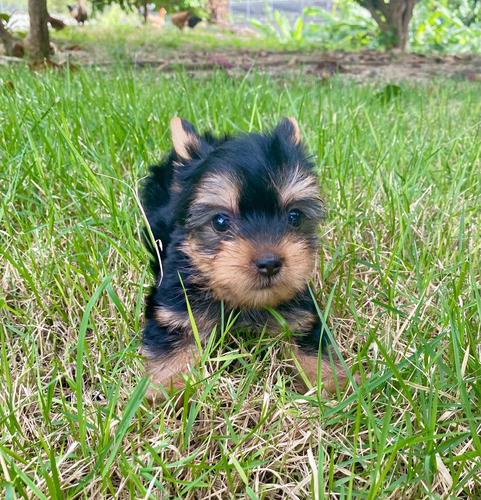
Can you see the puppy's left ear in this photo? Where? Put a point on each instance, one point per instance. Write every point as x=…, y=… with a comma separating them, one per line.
x=187, y=143
x=288, y=129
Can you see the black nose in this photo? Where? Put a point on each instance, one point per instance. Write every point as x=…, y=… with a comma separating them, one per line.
x=268, y=265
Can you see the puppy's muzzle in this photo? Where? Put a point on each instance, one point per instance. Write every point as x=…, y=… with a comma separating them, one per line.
x=268, y=265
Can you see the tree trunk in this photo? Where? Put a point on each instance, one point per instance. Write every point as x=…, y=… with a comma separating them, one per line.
x=218, y=10
x=393, y=18
x=37, y=41
x=6, y=39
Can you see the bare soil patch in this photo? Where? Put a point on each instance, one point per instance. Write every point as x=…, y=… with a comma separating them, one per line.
x=361, y=66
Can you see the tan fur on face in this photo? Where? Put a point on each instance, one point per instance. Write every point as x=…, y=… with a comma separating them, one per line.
x=166, y=371
x=233, y=278
x=220, y=191
x=182, y=139
x=296, y=185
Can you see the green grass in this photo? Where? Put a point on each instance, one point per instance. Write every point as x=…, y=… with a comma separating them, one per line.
x=398, y=279
x=114, y=41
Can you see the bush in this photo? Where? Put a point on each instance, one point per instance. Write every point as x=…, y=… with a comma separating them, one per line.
x=347, y=24
x=436, y=26
x=277, y=26
x=441, y=26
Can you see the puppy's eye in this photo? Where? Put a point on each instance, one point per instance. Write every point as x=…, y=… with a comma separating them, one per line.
x=221, y=223
x=295, y=218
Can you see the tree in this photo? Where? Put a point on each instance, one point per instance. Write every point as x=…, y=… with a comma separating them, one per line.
x=38, y=41
x=393, y=17
x=5, y=36
x=218, y=10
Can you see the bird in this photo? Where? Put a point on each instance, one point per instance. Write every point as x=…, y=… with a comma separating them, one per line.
x=185, y=18
x=78, y=12
x=57, y=24
x=157, y=20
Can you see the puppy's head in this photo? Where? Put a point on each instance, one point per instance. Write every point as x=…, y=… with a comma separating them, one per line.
x=251, y=215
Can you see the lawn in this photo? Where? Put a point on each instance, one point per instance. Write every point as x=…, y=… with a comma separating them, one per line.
x=109, y=41
x=398, y=281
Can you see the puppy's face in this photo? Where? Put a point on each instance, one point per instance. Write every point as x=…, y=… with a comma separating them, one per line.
x=252, y=218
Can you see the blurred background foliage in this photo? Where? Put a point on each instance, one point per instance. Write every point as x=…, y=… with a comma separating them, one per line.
x=444, y=26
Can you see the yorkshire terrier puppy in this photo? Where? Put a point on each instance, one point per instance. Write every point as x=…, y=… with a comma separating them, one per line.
x=238, y=220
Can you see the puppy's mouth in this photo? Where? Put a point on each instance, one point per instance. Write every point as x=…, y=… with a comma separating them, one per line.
x=267, y=283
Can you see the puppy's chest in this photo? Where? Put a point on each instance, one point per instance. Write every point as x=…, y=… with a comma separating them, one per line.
x=256, y=321
x=251, y=320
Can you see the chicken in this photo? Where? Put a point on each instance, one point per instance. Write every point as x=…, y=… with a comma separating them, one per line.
x=57, y=24
x=78, y=12
x=193, y=21
x=185, y=18
x=157, y=20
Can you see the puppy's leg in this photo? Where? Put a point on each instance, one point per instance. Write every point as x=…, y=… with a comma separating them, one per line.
x=169, y=355
x=332, y=371
x=168, y=371
x=306, y=350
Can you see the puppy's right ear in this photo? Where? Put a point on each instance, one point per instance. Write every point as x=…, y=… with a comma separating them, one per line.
x=187, y=143
x=288, y=129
